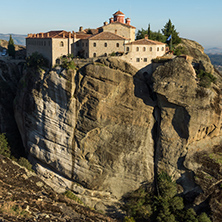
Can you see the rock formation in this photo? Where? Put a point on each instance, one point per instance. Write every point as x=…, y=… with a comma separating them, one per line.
x=107, y=128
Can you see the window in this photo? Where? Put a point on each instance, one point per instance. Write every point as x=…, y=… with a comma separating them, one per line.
x=94, y=44
x=86, y=44
x=157, y=49
x=137, y=59
x=61, y=43
x=94, y=54
x=151, y=49
x=83, y=44
x=105, y=54
x=77, y=44
x=117, y=44
x=86, y=54
x=137, y=49
x=162, y=48
x=44, y=43
x=127, y=49
x=145, y=59
x=144, y=49
x=105, y=44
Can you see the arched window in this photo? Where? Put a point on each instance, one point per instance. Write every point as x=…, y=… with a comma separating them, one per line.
x=94, y=54
x=144, y=49
x=117, y=44
x=151, y=49
x=105, y=54
x=162, y=48
x=158, y=49
x=137, y=49
x=94, y=44
x=105, y=44
x=61, y=43
x=127, y=49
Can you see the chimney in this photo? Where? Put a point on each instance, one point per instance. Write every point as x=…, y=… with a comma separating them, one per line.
x=105, y=23
x=128, y=20
x=146, y=36
x=34, y=35
x=37, y=35
x=111, y=20
x=47, y=34
x=63, y=35
x=42, y=35
x=80, y=29
x=70, y=35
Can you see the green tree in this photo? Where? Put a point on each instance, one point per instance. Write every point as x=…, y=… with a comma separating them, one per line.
x=37, y=60
x=149, y=32
x=11, y=47
x=141, y=34
x=169, y=29
x=4, y=147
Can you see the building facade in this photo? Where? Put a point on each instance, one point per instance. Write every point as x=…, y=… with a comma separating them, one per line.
x=114, y=38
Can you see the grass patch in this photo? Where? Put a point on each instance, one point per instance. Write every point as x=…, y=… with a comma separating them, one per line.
x=72, y=196
x=205, y=78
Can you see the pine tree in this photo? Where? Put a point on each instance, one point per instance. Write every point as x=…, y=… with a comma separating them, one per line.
x=149, y=32
x=169, y=29
x=11, y=47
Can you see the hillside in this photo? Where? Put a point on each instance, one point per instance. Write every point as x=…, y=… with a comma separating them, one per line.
x=20, y=49
x=18, y=39
x=25, y=197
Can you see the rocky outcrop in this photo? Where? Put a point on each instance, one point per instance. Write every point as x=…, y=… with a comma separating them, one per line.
x=25, y=197
x=107, y=128
x=88, y=128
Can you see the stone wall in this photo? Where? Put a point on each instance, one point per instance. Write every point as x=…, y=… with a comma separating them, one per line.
x=144, y=56
x=101, y=50
x=43, y=46
x=122, y=30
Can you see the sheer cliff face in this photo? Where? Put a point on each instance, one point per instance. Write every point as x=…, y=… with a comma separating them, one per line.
x=88, y=127
x=111, y=128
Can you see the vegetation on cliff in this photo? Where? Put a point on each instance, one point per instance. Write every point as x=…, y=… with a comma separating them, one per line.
x=37, y=60
x=168, y=30
x=163, y=206
x=11, y=47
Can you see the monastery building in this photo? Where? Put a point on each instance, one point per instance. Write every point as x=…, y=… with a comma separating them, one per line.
x=116, y=37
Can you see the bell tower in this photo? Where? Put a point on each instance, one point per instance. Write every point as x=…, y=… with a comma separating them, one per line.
x=119, y=17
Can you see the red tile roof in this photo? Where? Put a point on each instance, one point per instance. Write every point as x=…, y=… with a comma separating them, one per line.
x=145, y=42
x=106, y=36
x=118, y=13
x=116, y=22
x=94, y=31
x=59, y=34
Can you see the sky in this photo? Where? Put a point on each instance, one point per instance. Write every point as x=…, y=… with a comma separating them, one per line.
x=199, y=20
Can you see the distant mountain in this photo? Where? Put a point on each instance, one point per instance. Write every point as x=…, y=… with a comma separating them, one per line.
x=18, y=39
x=216, y=59
x=215, y=50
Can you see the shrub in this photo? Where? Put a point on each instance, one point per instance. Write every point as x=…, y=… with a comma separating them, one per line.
x=37, y=60
x=113, y=54
x=24, y=162
x=165, y=206
x=67, y=63
x=72, y=196
x=205, y=78
x=129, y=219
x=180, y=50
x=4, y=147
